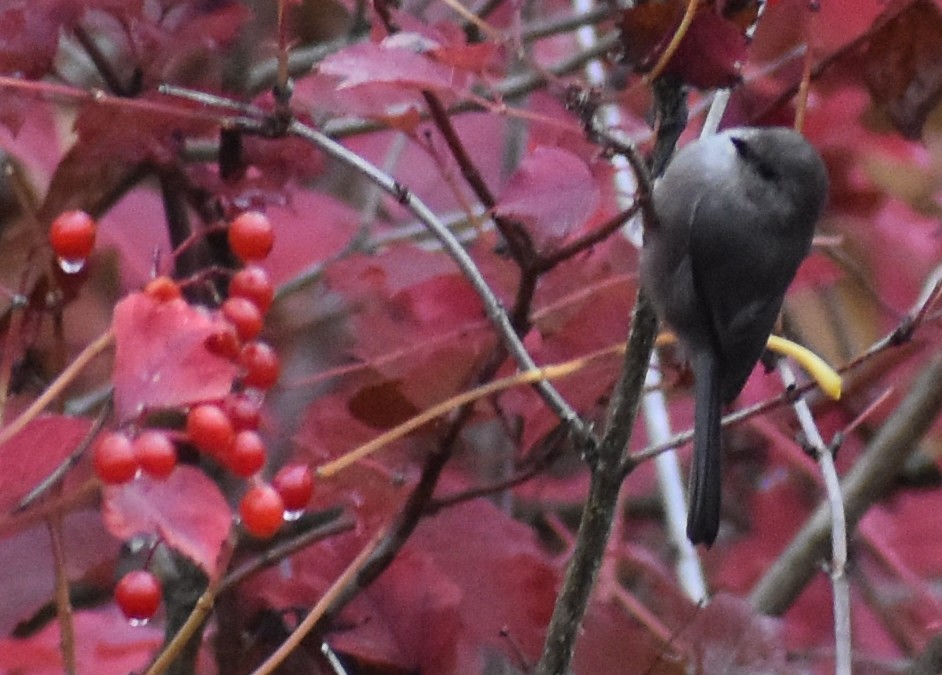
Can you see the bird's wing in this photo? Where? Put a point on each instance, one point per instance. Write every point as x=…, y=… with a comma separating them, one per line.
x=731, y=281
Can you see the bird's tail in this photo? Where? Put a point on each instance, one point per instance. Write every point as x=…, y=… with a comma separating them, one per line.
x=703, y=516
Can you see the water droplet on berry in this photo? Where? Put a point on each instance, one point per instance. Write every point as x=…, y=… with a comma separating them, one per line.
x=71, y=265
x=293, y=515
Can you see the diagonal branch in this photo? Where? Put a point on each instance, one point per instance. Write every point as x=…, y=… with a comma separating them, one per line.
x=492, y=306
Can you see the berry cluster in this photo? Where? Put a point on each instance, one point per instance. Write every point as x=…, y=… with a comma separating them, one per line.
x=225, y=431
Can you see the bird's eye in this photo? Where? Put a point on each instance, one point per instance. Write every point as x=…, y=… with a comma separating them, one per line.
x=766, y=170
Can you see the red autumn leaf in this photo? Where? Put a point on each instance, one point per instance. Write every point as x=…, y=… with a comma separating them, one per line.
x=186, y=510
x=29, y=572
x=29, y=37
x=903, y=67
x=477, y=58
x=391, y=63
x=161, y=360
x=105, y=644
x=646, y=31
x=708, y=56
x=552, y=191
x=32, y=454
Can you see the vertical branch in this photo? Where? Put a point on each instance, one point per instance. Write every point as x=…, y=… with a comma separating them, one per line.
x=608, y=472
x=63, y=603
x=839, y=583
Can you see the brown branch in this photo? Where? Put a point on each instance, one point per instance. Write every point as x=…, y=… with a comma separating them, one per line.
x=608, y=471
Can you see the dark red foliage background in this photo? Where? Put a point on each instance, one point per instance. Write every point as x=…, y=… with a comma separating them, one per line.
x=374, y=323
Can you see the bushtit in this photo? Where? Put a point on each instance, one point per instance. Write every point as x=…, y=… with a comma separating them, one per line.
x=735, y=215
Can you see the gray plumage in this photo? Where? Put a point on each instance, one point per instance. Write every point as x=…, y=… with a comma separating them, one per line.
x=735, y=216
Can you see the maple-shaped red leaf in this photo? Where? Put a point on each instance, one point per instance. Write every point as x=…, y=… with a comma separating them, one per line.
x=552, y=191
x=32, y=454
x=186, y=510
x=161, y=359
x=903, y=66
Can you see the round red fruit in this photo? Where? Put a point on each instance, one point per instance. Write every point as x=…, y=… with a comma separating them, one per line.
x=156, y=453
x=72, y=235
x=224, y=343
x=244, y=316
x=262, y=511
x=210, y=429
x=243, y=411
x=251, y=236
x=248, y=454
x=253, y=283
x=138, y=595
x=114, y=459
x=295, y=484
x=261, y=364
x=162, y=289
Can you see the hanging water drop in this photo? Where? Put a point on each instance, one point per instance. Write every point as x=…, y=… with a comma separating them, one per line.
x=71, y=265
x=291, y=516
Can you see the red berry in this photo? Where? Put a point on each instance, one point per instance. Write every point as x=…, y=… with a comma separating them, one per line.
x=224, y=343
x=114, y=459
x=72, y=235
x=244, y=316
x=243, y=411
x=253, y=283
x=138, y=595
x=261, y=365
x=251, y=236
x=156, y=453
x=295, y=484
x=262, y=511
x=210, y=429
x=163, y=289
x=247, y=455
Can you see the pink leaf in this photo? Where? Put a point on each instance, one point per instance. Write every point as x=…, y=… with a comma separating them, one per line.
x=161, y=360
x=369, y=63
x=32, y=454
x=552, y=191
x=187, y=510
x=105, y=643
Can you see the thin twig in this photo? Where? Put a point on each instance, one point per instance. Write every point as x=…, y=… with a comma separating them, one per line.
x=839, y=582
x=57, y=474
x=200, y=611
x=273, y=555
x=63, y=602
x=326, y=600
x=493, y=308
x=674, y=44
x=870, y=477
x=587, y=241
x=511, y=88
x=96, y=347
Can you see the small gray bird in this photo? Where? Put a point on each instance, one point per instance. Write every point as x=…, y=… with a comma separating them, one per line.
x=735, y=216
